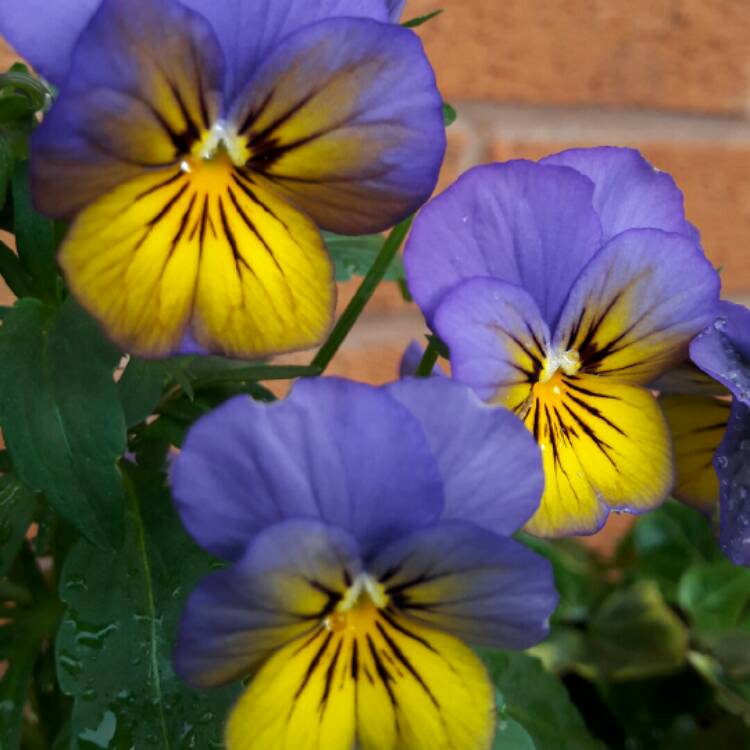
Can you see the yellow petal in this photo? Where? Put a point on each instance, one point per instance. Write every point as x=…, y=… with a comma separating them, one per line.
x=201, y=250
x=697, y=424
x=373, y=677
x=604, y=445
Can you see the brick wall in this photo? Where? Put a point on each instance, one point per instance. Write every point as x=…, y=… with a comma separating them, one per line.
x=530, y=77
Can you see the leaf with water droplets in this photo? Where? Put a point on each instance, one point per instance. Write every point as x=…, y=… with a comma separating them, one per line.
x=114, y=649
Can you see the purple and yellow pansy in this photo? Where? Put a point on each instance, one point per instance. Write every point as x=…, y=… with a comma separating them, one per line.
x=197, y=147
x=563, y=289
x=368, y=536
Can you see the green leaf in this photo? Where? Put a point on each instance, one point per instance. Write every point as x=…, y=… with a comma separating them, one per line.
x=6, y=166
x=729, y=695
x=17, y=506
x=512, y=736
x=537, y=701
x=13, y=272
x=579, y=578
x=634, y=634
x=449, y=114
x=114, y=649
x=668, y=541
x=716, y=595
x=35, y=238
x=414, y=22
x=140, y=388
x=61, y=415
x=23, y=636
x=354, y=256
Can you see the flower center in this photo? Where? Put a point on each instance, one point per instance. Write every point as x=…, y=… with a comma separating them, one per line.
x=222, y=141
x=568, y=362
x=359, y=606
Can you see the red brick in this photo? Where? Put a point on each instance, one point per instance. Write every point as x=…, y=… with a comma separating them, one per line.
x=674, y=54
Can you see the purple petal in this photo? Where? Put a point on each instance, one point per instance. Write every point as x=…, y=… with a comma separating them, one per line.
x=634, y=310
x=344, y=119
x=343, y=452
x=45, y=32
x=113, y=120
x=490, y=463
x=732, y=464
x=396, y=9
x=523, y=223
x=497, y=339
x=723, y=350
x=249, y=30
x=629, y=193
x=278, y=591
x=484, y=588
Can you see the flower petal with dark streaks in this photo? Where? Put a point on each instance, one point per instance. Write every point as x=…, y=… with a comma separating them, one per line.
x=205, y=252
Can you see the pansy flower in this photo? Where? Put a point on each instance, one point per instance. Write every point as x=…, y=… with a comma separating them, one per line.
x=562, y=288
x=723, y=352
x=367, y=532
x=196, y=147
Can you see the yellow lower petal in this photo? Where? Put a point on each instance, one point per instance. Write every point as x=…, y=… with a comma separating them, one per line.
x=371, y=677
x=697, y=424
x=604, y=445
x=200, y=249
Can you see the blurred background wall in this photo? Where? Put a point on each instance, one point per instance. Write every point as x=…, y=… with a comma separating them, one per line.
x=531, y=77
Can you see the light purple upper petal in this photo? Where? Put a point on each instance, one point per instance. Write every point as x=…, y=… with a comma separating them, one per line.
x=249, y=30
x=723, y=350
x=523, y=223
x=461, y=578
x=343, y=452
x=112, y=121
x=345, y=120
x=629, y=193
x=732, y=462
x=45, y=31
x=276, y=592
x=496, y=336
x=491, y=466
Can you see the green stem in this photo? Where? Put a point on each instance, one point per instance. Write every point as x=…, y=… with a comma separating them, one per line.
x=429, y=360
x=366, y=289
x=256, y=374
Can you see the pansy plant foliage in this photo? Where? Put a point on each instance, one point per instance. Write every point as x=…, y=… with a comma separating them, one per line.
x=362, y=564
x=564, y=288
x=196, y=147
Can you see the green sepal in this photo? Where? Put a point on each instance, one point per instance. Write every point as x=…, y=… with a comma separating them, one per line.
x=420, y=20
